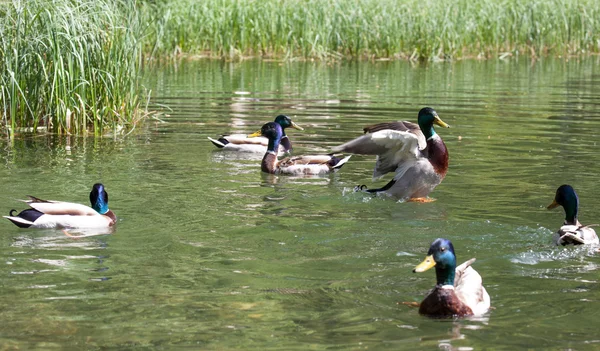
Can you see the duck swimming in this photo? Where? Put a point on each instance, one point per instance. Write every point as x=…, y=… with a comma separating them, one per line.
x=296, y=165
x=572, y=232
x=243, y=143
x=458, y=290
x=65, y=215
x=415, y=152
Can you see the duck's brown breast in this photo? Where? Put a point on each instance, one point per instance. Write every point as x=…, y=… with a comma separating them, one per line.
x=444, y=303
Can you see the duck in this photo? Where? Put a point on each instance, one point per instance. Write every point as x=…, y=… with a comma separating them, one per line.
x=296, y=165
x=571, y=232
x=243, y=143
x=52, y=214
x=459, y=291
x=415, y=152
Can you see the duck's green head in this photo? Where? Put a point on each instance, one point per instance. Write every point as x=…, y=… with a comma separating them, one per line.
x=99, y=198
x=271, y=131
x=568, y=199
x=427, y=118
x=286, y=122
x=441, y=255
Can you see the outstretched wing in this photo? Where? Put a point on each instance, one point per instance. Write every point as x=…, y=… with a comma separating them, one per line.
x=392, y=147
x=401, y=126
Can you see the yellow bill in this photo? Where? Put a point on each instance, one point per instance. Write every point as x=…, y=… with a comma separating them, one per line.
x=425, y=265
x=255, y=134
x=295, y=126
x=440, y=123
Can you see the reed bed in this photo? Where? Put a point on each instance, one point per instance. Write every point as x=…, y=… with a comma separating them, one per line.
x=73, y=66
x=413, y=29
x=69, y=66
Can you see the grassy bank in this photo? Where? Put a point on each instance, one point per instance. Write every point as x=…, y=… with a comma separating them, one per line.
x=74, y=66
x=69, y=67
x=414, y=29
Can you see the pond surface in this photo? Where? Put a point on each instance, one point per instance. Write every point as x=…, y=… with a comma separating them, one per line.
x=209, y=253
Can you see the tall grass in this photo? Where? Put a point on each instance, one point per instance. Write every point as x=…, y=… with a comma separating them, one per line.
x=417, y=29
x=73, y=66
x=69, y=66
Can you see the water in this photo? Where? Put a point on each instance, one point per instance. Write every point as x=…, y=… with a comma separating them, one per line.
x=211, y=254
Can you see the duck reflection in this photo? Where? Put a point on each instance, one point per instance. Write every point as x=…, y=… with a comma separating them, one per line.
x=304, y=179
x=52, y=251
x=456, y=334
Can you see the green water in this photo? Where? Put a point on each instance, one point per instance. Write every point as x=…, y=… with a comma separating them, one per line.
x=209, y=253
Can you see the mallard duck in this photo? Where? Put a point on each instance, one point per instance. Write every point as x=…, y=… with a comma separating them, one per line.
x=416, y=153
x=59, y=214
x=572, y=232
x=458, y=291
x=298, y=165
x=243, y=143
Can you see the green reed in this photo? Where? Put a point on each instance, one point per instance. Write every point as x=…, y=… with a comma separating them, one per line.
x=416, y=29
x=69, y=66
x=73, y=66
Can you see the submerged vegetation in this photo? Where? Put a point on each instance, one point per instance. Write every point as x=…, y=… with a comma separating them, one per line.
x=74, y=66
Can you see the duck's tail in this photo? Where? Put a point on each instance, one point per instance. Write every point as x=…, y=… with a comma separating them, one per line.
x=218, y=143
x=25, y=219
x=337, y=163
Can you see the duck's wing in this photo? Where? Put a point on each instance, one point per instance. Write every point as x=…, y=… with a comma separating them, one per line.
x=52, y=207
x=575, y=235
x=305, y=160
x=589, y=235
x=392, y=148
x=469, y=288
x=311, y=164
x=243, y=139
x=401, y=126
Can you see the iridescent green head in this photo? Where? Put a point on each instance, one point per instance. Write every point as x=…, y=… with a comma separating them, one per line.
x=568, y=199
x=274, y=133
x=427, y=118
x=286, y=122
x=441, y=256
x=99, y=198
